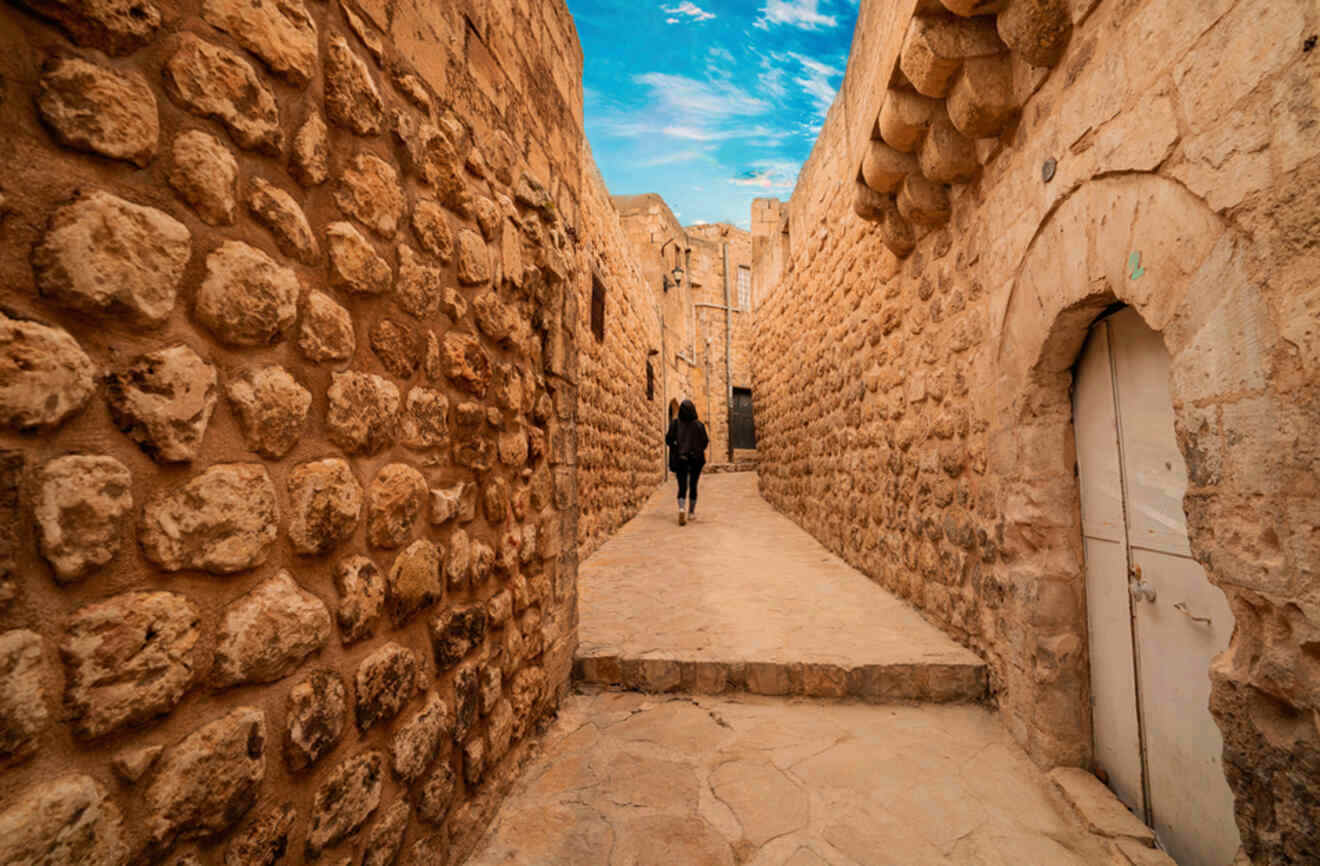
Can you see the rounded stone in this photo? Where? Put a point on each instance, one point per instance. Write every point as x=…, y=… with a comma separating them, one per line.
x=420, y=288
x=116, y=27
x=345, y=801
x=68, y=820
x=325, y=501
x=417, y=740
x=279, y=212
x=102, y=254
x=265, y=634
x=425, y=422
x=211, y=81
x=363, y=414
x=79, y=510
x=163, y=401
x=271, y=407
x=361, y=588
x=436, y=794
x=326, y=331
x=384, y=682
x=473, y=258
x=24, y=696
x=431, y=226
x=309, y=161
x=314, y=718
x=222, y=521
x=351, y=98
x=45, y=376
x=246, y=298
x=466, y=363
x=399, y=347
x=99, y=110
x=396, y=499
x=386, y=837
x=369, y=192
x=205, y=175
x=264, y=841
x=355, y=266
x=414, y=582
x=282, y=34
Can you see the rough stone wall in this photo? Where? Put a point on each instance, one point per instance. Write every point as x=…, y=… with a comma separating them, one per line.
x=621, y=428
x=287, y=389
x=925, y=435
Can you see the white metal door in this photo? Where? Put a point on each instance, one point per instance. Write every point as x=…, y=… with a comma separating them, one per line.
x=1150, y=681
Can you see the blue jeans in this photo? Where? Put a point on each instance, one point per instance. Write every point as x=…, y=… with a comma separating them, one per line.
x=688, y=477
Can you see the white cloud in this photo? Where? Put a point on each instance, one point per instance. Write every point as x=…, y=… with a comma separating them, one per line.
x=690, y=110
x=691, y=10
x=815, y=81
x=676, y=157
x=769, y=175
x=803, y=14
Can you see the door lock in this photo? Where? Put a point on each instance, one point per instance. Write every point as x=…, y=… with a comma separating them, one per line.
x=1142, y=590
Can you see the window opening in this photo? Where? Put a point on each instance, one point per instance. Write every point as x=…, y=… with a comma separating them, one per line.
x=598, y=309
x=744, y=287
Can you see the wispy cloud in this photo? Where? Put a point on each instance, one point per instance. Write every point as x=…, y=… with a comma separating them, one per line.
x=691, y=10
x=677, y=157
x=803, y=14
x=691, y=110
x=769, y=175
x=815, y=81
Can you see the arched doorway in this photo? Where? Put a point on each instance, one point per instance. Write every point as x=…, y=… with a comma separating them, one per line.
x=1154, y=620
x=673, y=409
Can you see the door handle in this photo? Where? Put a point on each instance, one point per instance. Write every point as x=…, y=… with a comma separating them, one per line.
x=1181, y=607
x=1141, y=590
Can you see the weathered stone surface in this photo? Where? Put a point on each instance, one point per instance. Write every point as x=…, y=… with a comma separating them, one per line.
x=265, y=634
x=499, y=733
x=399, y=347
x=492, y=684
x=309, y=158
x=277, y=211
x=369, y=192
x=524, y=693
x=222, y=521
x=489, y=219
x=367, y=34
x=425, y=421
x=271, y=408
x=68, y=820
x=431, y=225
x=495, y=319
x=113, y=26
x=351, y=98
x=482, y=559
x=315, y=717
x=265, y=841
x=384, y=682
x=246, y=299
x=99, y=110
x=459, y=566
x=386, y=837
x=80, y=505
x=417, y=740
x=444, y=504
x=208, y=781
x=325, y=501
x=457, y=632
x=361, y=588
x=495, y=501
x=429, y=154
x=466, y=363
x=513, y=447
x=363, y=417
x=354, y=264
x=467, y=700
x=421, y=287
x=414, y=581
x=282, y=34
x=345, y=801
x=205, y=175
x=129, y=659
x=211, y=81
x=131, y=765
x=326, y=332
x=44, y=375
x=473, y=258
x=474, y=760
x=102, y=254
x=436, y=794
x=163, y=401
x=396, y=499
x=24, y=698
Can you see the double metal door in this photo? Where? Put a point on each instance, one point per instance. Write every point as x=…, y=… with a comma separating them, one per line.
x=743, y=432
x=1155, y=621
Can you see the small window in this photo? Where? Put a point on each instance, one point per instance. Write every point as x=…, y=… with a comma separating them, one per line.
x=744, y=287
x=650, y=380
x=598, y=309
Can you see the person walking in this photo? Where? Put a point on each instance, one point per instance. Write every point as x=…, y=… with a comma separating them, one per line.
x=687, y=441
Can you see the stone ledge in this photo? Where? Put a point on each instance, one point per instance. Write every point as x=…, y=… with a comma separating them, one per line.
x=1098, y=808
x=874, y=683
x=718, y=468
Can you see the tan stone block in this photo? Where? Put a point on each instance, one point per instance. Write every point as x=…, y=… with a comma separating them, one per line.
x=883, y=167
x=824, y=681
x=768, y=678
x=947, y=156
x=923, y=202
x=981, y=102
x=934, y=49
x=904, y=118
x=1039, y=30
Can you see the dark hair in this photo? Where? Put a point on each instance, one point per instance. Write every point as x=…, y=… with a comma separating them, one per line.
x=687, y=411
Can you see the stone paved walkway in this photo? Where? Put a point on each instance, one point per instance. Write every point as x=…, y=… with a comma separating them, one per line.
x=627, y=779
x=745, y=599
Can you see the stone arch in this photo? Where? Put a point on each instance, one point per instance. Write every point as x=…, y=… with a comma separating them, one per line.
x=1145, y=241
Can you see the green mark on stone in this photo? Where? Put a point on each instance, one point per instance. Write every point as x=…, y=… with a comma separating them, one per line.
x=1134, y=265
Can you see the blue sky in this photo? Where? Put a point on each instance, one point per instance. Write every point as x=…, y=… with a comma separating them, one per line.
x=710, y=103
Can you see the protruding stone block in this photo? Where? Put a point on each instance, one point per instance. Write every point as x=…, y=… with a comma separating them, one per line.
x=277, y=211
x=369, y=192
x=314, y=718
x=326, y=332
x=80, y=505
x=211, y=81
x=935, y=47
x=361, y=588
x=947, y=156
x=265, y=634
x=113, y=26
x=363, y=415
x=282, y=34
x=345, y=801
x=972, y=8
x=309, y=161
x=414, y=582
x=163, y=401
x=384, y=682
x=246, y=298
x=1039, y=30
x=205, y=175
x=69, y=820
x=222, y=521
x=981, y=102
x=883, y=167
x=326, y=501
x=271, y=407
x=896, y=233
x=417, y=740
x=99, y=110
x=24, y=711
x=396, y=500
x=904, y=118
x=351, y=98
x=45, y=376
x=923, y=202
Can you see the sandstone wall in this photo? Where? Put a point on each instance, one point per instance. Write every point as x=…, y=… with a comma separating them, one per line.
x=287, y=388
x=926, y=435
x=621, y=444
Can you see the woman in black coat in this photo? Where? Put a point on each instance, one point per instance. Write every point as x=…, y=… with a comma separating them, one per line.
x=687, y=441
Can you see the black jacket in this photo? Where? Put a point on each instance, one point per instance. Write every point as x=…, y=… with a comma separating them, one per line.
x=687, y=441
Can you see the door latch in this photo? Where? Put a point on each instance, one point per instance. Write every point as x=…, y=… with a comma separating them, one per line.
x=1140, y=589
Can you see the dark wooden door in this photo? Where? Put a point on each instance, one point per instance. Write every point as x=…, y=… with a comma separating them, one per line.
x=743, y=426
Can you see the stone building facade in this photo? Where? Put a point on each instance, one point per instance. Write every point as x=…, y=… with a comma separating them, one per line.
x=288, y=387
x=985, y=188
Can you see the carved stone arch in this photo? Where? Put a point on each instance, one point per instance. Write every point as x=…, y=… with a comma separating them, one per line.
x=1145, y=241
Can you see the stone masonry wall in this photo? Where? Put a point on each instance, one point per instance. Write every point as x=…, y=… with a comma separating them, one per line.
x=287, y=405
x=924, y=430
x=621, y=428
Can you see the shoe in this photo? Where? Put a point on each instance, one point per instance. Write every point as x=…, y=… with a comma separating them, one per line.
x=682, y=517
x=692, y=515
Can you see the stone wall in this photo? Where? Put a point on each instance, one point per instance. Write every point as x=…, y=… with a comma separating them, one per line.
x=925, y=435
x=287, y=388
x=621, y=444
